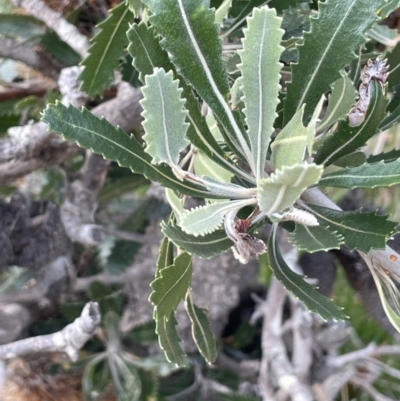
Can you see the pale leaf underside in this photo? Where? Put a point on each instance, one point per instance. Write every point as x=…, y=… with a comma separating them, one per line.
x=260, y=79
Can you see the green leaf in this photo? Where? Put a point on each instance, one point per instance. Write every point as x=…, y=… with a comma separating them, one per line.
x=176, y=204
x=106, y=50
x=387, y=290
x=334, y=36
x=165, y=257
x=281, y=5
x=346, y=139
x=389, y=7
x=383, y=34
x=206, y=219
x=135, y=6
x=190, y=36
x=285, y=186
x=164, y=116
x=203, y=165
x=364, y=176
x=8, y=107
x=170, y=287
x=169, y=340
x=393, y=58
x=21, y=26
x=125, y=377
x=352, y=160
x=390, y=156
x=201, y=330
x=147, y=54
x=390, y=120
x=314, y=239
x=113, y=143
x=289, y=147
x=146, y=51
x=150, y=385
x=260, y=79
x=96, y=378
x=222, y=11
x=203, y=247
x=341, y=100
x=363, y=231
x=59, y=49
x=294, y=283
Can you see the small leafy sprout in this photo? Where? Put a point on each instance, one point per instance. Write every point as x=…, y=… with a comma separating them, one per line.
x=246, y=246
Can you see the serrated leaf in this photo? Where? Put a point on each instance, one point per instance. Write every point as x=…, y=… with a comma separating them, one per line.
x=206, y=219
x=190, y=36
x=113, y=143
x=227, y=189
x=222, y=11
x=176, y=203
x=126, y=378
x=170, y=287
x=289, y=147
x=164, y=116
x=203, y=247
x=341, y=100
x=8, y=107
x=346, y=139
x=135, y=6
x=285, y=186
x=106, y=50
x=390, y=6
x=392, y=155
x=387, y=290
x=203, y=165
x=21, y=26
x=237, y=94
x=383, y=34
x=281, y=5
x=329, y=45
x=147, y=54
x=390, y=120
x=60, y=49
x=96, y=377
x=352, y=160
x=393, y=58
x=363, y=231
x=201, y=330
x=145, y=49
x=260, y=79
x=314, y=239
x=165, y=257
x=169, y=340
x=294, y=283
x=364, y=176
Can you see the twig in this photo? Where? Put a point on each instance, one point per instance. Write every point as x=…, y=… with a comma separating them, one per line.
x=54, y=20
x=376, y=395
x=69, y=340
x=274, y=360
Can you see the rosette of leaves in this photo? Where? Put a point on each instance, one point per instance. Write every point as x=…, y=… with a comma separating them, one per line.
x=245, y=160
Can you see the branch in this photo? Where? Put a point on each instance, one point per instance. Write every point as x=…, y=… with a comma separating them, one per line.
x=69, y=340
x=274, y=352
x=54, y=20
x=32, y=147
x=37, y=59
